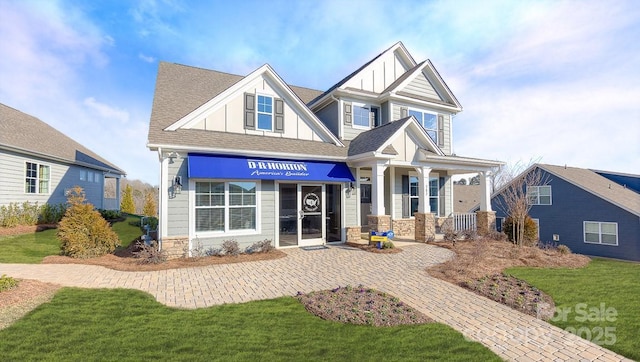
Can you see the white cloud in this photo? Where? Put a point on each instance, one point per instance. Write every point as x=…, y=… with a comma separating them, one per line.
x=106, y=111
x=146, y=58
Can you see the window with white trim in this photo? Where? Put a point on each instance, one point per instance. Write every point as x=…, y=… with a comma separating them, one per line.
x=365, y=115
x=539, y=195
x=596, y=232
x=83, y=175
x=225, y=206
x=265, y=113
x=414, y=194
x=36, y=178
x=429, y=122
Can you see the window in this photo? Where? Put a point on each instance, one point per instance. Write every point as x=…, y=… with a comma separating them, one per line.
x=363, y=115
x=225, y=206
x=83, y=175
x=605, y=233
x=539, y=195
x=429, y=122
x=414, y=194
x=265, y=113
x=36, y=178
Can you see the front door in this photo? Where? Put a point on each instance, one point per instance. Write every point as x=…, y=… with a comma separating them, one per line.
x=311, y=211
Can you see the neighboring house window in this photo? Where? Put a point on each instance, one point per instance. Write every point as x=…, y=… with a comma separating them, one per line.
x=37, y=178
x=539, y=195
x=429, y=122
x=83, y=175
x=225, y=206
x=601, y=232
x=365, y=115
x=414, y=194
x=265, y=113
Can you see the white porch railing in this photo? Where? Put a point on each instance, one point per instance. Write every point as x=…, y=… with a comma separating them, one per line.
x=464, y=221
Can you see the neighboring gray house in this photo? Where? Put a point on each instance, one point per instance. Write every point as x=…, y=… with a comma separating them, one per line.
x=252, y=158
x=39, y=164
x=584, y=210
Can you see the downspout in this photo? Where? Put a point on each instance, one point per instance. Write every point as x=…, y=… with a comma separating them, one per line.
x=161, y=200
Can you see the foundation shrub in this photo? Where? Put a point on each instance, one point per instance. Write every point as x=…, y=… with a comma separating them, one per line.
x=530, y=230
x=388, y=245
x=563, y=249
x=83, y=232
x=230, y=247
x=16, y=214
x=263, y=246
x=149, y=254
x=52, y=213
x=7, y=282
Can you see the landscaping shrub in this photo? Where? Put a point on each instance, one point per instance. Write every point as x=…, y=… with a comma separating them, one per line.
x=149, y=222
x=149, y=254
x=231, y=247
x=7, y=282
x=150, y=207
x=263, y=246
x=84, y=233
x=19, y=214
x=127, y=205
x=530, y=230
x=388, y=245
x=51, y=213
x=563, y=249
x=111, y=215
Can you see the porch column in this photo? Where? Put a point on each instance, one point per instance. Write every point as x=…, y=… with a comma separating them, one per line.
x=485, y=191
x=117, y=193
x=392, y=186
x=485, y=217
x=378, y=220
x=423, y=193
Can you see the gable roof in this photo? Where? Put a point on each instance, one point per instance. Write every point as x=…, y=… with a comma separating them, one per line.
x=23, y=133
x=181, y=89
x=395, y=46
x=598, y=185
x=465, y=197
x=625, y=179
x=379, y=139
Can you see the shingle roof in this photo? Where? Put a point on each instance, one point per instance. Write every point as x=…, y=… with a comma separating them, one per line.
x=372, y=140
x=180, y=89
x=597, y=185
x=465, y=197
x=27, y=134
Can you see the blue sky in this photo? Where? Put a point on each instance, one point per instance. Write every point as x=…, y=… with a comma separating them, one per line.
x=551, y=81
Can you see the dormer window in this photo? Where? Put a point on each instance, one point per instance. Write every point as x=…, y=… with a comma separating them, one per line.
x=265, y=113
x=429, y=122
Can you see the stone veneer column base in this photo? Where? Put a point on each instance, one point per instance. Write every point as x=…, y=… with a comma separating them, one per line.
x=379, y=222
x=404, y=227
x=354, y=234
x=425, y=226
x=175, y=247
x=486, y=222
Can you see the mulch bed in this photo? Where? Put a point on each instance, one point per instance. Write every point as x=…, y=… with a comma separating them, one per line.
x=361, y=305
x=26, y=229
x=373, y=249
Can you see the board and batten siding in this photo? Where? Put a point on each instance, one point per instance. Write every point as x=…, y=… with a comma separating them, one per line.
x=229, y=117
x=351, y=205
x=62, y=178
x=379, y=74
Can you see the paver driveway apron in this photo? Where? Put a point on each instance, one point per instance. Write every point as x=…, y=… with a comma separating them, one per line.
x=510, y=334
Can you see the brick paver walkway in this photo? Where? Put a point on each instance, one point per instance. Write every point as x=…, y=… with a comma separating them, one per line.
x=510, y=334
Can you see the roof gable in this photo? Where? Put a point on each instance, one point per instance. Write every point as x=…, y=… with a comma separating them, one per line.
x=423, y=82
x=399, y=59
x=26, y=134
x=379, y=141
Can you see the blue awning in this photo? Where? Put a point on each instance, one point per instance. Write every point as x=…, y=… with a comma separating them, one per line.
x=232, y=167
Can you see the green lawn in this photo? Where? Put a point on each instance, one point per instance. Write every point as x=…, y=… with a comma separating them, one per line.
x=600, y=302
x=32, y=248
x=127, y=325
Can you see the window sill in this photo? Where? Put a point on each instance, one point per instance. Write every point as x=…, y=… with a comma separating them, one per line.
x=604, y=244
x=218, y=234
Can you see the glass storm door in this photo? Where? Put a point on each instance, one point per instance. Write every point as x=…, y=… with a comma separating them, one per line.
x=311, y=224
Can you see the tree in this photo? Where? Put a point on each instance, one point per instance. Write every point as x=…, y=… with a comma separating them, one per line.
x=514, y=201
x=150, y=206
x=83, y=232
x=475, y=180
x=462, y=181
x=127, y=205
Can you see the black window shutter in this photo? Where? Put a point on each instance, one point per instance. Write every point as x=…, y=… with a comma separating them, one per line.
x=249, y=111
x=348, y=117
x=404, y=112
x=440, y=130
x=278, y=114
x=406, y=201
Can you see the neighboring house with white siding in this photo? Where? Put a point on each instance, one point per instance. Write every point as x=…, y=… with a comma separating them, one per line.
x=39, y=164
x=252, y=158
